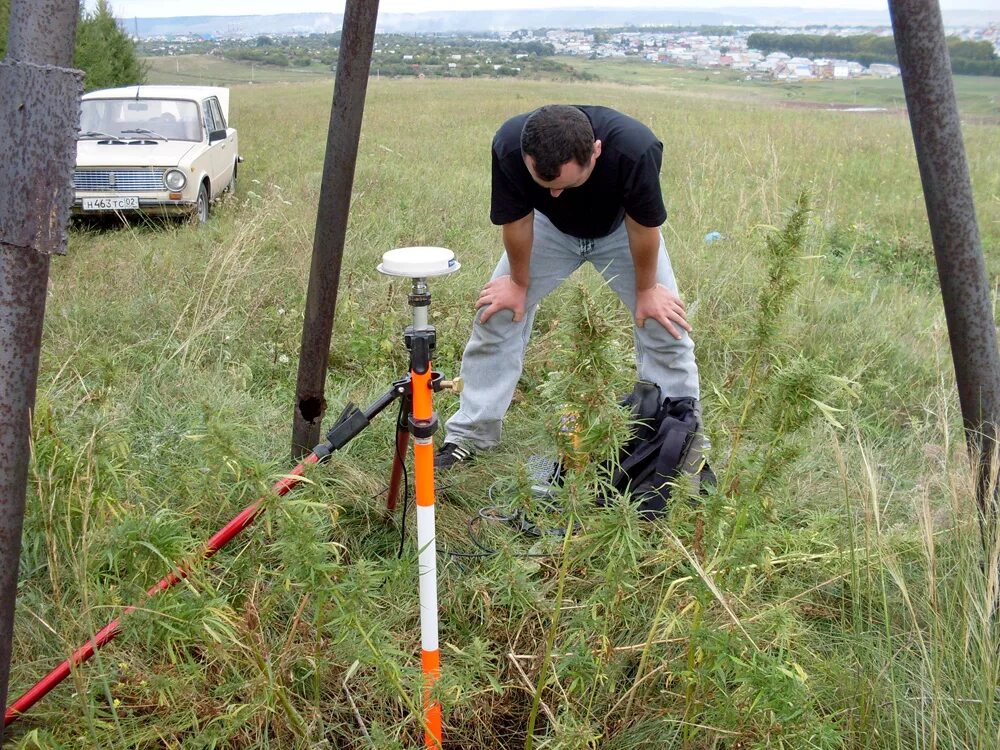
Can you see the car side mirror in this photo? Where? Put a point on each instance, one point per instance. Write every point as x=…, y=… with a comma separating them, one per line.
x=217, y=135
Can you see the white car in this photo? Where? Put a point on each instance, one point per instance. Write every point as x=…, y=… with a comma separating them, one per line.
x=154, y=150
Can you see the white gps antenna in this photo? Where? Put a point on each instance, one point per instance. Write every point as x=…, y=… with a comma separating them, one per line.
x=419, y=264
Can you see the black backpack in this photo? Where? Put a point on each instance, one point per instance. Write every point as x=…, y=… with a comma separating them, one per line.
x=656, y=453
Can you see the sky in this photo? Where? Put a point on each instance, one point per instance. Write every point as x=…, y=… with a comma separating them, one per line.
x=160, y=9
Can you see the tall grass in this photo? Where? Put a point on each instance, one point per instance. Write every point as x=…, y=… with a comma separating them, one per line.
x=830, y=595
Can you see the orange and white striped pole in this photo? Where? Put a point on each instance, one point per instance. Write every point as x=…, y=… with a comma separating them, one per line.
x=423, y=461
x=419, y=263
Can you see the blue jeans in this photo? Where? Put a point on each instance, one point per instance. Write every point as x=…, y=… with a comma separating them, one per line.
x=494, y=356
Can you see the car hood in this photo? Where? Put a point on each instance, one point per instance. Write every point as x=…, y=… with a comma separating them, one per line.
x=90, y=153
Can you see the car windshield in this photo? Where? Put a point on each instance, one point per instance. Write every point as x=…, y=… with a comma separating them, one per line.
x=173, y=119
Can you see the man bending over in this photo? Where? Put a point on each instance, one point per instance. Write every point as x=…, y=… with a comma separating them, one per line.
x=570, y=184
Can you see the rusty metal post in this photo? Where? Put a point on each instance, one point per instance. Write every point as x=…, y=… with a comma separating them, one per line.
x=937, y=136
x=39, y=116
x=353, y=65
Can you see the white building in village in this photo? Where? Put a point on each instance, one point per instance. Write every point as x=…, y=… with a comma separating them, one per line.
x=802, y=67
x=883, y=70
x=709, y=52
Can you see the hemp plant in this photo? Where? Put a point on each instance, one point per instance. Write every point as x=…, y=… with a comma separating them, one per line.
x=588, y=427
x=784, y=389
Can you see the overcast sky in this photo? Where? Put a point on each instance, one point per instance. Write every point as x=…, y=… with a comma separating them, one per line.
x=160, y=9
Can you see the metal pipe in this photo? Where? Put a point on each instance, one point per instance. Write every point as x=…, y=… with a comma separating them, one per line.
x=353, y=65
x=420, y=311
x=944, y=173
x=39, y=116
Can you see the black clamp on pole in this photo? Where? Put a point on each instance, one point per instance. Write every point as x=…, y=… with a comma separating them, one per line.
x=421, y=343
x=422, y=429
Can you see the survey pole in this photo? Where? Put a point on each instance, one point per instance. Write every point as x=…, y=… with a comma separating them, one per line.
x=353, y=64
x=944, y=173
x=39, y=116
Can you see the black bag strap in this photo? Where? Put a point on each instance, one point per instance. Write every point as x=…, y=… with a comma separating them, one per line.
x=671, y=443
x=675, y=445
x=631, y=467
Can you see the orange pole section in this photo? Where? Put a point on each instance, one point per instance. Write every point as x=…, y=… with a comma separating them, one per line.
x=423, y=461
x=431, y=663
x=423, y=450
x=422, y=406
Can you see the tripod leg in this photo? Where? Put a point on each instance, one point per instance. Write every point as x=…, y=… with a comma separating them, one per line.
x=402, y=445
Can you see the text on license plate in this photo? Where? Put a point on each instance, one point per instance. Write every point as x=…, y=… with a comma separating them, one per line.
x=118, y=203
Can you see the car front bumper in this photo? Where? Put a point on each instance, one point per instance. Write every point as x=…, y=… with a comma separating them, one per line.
x=153, y=206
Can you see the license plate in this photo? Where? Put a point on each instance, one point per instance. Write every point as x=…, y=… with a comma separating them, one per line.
x=118, y=203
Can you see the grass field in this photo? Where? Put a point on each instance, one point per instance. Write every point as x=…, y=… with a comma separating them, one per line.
x=977, y=95
x=207, y=70
x=828, y=595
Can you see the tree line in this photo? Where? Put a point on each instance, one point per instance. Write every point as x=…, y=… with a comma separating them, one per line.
x=967, y=57
x=395, y=54
x=104, y=52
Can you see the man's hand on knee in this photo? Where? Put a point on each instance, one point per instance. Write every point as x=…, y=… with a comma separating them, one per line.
x=503, y=293
x=663, y=306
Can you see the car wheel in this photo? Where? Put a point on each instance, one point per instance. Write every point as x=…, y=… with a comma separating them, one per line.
x=201, y=207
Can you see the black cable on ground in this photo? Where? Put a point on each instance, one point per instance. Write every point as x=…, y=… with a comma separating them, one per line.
x=487, y=513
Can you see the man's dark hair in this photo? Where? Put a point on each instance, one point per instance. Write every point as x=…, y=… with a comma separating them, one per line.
x=555, y=134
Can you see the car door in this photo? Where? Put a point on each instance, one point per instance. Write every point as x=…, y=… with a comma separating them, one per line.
x=207, y=160
x=223, y=156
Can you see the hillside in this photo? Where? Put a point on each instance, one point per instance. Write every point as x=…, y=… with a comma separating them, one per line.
x=828, y=595
x=977, y=97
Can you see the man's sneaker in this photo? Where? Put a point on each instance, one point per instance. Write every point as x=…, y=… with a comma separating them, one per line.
x=451, y=454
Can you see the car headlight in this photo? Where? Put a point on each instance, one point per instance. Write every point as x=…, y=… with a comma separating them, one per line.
x=175, y=179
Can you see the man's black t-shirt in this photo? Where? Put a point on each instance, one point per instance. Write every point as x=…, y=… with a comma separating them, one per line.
x=626, y=179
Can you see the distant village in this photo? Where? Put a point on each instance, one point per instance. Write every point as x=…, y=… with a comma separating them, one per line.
x=517, y=52
x=729, y=51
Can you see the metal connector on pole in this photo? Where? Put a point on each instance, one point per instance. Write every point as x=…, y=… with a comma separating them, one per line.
x=39, y=116
x=944, y=173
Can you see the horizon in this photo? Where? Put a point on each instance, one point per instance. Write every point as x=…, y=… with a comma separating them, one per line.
x=195, y=8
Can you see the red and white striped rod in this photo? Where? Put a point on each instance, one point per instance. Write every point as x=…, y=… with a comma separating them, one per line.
x=221, y=538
